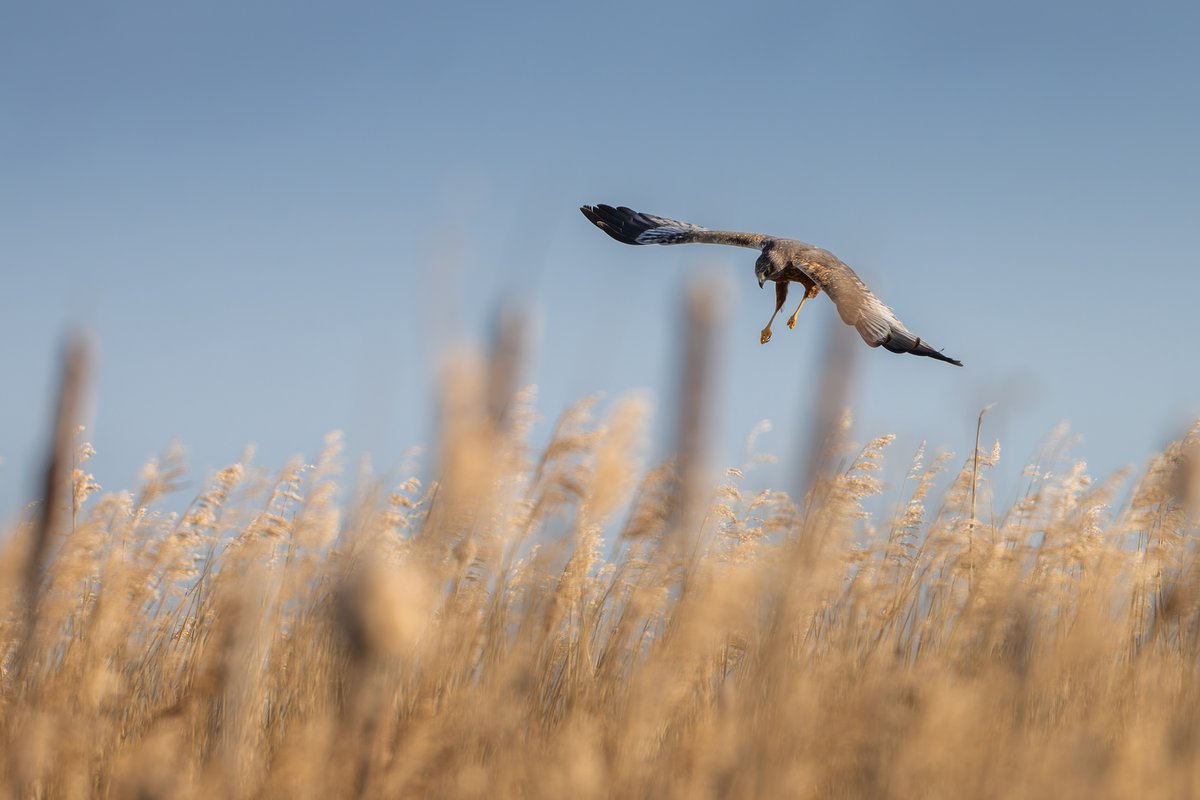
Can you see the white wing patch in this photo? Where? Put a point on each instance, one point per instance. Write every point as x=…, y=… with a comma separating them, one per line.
x=664, y=235
x=877, y=322
x=669, y=231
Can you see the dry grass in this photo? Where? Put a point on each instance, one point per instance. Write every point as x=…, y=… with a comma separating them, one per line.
x=553, y=624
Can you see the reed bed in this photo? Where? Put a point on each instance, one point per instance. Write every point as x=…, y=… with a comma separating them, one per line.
x=578, y=621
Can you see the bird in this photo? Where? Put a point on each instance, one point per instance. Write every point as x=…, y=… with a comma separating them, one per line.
x=782, y=261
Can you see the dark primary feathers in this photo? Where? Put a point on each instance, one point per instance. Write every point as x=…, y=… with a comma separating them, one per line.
x=631, y=227
x=903, y=341
x=626, y=225
x=856, y=305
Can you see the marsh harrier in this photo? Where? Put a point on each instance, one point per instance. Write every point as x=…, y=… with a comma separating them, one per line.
x=782, y=261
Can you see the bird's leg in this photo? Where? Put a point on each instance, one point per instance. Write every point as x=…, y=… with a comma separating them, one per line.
x=781, y=290
x=810, y=290
x=792, y=319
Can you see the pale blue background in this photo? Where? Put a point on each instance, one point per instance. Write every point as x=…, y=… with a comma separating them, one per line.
x=265, y=211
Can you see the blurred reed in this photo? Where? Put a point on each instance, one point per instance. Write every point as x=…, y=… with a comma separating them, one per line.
x=572, y=621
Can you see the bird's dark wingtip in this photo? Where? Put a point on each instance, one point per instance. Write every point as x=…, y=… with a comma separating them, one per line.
x=929, y=352
x=904, y=342
x=920, y=348
x=940, y=357
x=620, y=223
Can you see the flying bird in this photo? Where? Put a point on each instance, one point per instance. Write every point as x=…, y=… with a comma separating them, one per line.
x=782, y=261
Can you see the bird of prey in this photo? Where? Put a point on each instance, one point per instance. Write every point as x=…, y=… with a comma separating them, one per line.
x=782, y=261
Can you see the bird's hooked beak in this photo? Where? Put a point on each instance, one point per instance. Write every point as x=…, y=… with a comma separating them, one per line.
x=762, y=268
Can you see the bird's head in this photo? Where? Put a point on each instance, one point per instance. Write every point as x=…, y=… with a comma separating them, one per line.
x=763, y=269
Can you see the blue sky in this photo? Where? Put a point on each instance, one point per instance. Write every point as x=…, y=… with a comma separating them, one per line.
x=273, y=216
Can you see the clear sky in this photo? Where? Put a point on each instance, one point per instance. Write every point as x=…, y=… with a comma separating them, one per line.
x=273, y=215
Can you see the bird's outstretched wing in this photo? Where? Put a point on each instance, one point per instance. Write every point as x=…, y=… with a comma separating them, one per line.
x=875, y=322
x=629, y=226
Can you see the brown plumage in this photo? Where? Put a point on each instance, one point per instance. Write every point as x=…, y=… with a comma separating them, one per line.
x=782, y=261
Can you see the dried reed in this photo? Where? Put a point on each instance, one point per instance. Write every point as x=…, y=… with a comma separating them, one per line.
x=567, y=623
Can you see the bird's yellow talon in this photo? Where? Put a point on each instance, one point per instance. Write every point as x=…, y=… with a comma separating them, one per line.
x=792, y=323
x=765, y=336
